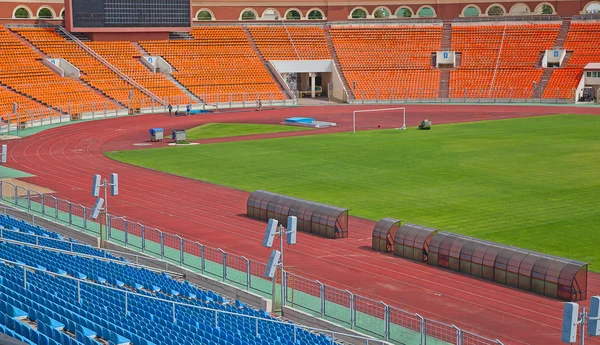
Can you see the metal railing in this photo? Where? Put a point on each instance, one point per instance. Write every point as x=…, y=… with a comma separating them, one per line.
x=28, y=118
x=76, y=248
x=179, y=307
x=374, y=318
x=109, y=65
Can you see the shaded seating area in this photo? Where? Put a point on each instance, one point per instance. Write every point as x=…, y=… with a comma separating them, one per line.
x=539, y=273
x=51, y=297
x=319, y=219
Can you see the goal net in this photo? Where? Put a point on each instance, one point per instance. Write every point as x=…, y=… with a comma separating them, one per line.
x=379, y=118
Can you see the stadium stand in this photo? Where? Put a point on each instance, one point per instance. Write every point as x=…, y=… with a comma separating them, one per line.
x=22, y=71
x=580, y=41
x=65, y=298
x=8, y=98
x=125, y=57
x=498, y=60
x=383, y=61
x=291, y=42
x=219, y=60
x=94, y=73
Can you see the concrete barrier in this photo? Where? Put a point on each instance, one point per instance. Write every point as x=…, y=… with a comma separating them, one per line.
x=346, y=334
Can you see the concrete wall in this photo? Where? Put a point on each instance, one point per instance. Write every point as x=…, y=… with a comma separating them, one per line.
x=311, y=321
x=333, y=11
x=302, y=66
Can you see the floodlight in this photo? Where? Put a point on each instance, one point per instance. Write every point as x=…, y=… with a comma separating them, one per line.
x=291, y=230
x=96, y=185
x=4, y=149
x=570, y=320
x=594, y=325
x=272, y=264
x=270, y=233
x=114, y=184
x=97, y=208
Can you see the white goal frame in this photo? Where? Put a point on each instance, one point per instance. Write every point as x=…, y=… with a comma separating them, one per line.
x=377, y=110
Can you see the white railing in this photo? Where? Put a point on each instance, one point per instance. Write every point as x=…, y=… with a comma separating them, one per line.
x=498, y=60
x=217, y=312
x=333, y=304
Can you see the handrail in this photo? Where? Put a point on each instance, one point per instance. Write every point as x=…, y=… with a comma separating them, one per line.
x=111, y=67
x=290, y=38
x=174, y=303
x=203, y=249
x=497, y=61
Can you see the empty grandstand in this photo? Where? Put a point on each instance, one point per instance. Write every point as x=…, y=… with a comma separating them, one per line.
x=52, y=294
x=72, y=60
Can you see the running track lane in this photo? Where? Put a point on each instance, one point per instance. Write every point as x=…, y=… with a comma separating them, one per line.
x=65, y=158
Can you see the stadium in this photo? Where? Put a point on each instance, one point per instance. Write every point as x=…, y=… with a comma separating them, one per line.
x=375, y=172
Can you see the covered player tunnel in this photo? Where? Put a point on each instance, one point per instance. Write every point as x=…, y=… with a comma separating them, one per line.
x=542, y=274
x=320, y=219
x=383, y=234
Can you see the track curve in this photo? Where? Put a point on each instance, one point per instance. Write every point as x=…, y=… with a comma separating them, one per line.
x=64, y=159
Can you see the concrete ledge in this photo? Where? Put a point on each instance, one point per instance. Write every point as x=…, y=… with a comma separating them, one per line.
x=306, y=319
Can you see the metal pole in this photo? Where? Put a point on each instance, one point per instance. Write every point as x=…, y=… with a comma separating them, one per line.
x=105, y=186
x=173, y=312
x=78, y=291
x=582, y=330
x=281, y=232
x=126, y=303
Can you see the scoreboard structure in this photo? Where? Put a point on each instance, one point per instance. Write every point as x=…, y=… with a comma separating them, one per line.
x=128, y=15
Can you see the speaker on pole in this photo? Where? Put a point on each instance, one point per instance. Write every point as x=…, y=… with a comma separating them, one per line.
x=4, y=150
x=114, y=184
x=96, y=185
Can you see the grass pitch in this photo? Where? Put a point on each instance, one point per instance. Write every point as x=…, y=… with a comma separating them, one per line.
x=223, y=130
x=531, y=182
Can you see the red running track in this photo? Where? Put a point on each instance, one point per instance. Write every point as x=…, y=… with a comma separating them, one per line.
x=64, y=159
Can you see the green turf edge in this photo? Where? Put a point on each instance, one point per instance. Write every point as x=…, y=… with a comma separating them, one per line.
x=336, y=313
x=225, y=130
x=565, y=128
x=6, y=172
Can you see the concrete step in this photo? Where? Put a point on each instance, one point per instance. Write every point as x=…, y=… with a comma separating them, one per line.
x=183, y=89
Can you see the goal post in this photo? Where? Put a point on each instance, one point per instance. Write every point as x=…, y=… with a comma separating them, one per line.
x=401, y=110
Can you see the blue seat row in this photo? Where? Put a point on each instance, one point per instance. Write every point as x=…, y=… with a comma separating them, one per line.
x=114, y=306
x=19, y=230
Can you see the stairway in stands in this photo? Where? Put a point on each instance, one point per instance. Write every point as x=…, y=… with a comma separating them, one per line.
x=168, y=76
x=445, y=72
x=336, y=61
x=174, y=36
x=447, y=36
x=283, y=86
x=558, y=44
x=562, y=34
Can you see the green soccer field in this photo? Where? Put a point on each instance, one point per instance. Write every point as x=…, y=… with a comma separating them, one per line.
x=532, y=182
